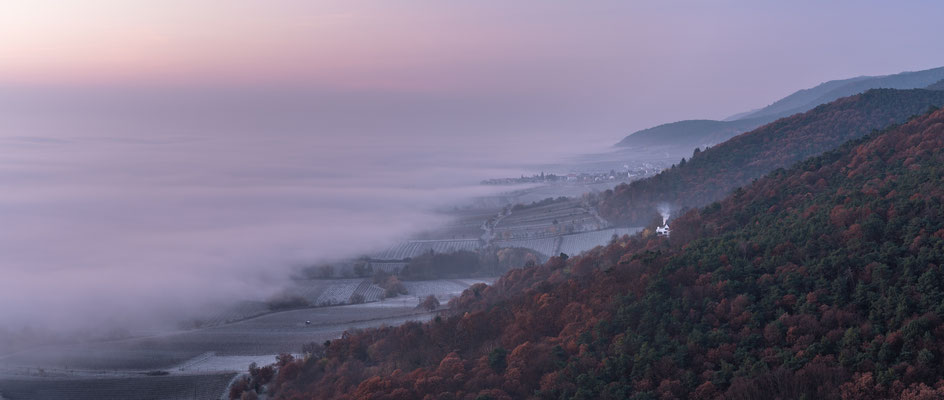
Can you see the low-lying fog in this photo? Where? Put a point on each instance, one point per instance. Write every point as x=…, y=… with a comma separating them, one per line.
x=134, y=209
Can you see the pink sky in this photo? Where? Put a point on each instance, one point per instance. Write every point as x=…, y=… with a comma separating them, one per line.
x=710, y=58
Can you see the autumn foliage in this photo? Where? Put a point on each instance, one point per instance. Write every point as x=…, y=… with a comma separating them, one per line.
x=820, y=281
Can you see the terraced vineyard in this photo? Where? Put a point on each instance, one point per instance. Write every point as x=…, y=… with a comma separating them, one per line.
x=567, y=226
x=546, y=246
x=548, y=220
x=442, y=289
x=465, y=224
x=339, y=291
x=367, y=292
x=571, y=244
x=391, y=267
x=414, y=248
x=317, y=292
x=581, y=242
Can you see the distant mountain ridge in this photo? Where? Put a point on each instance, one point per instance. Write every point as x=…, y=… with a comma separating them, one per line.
x=801, y=99
x=683, y=136
x=711, y=174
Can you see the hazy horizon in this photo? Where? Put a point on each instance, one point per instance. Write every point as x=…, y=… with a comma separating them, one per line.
x=158, y=157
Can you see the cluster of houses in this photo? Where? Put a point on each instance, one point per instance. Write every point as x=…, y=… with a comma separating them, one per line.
x=628, y=174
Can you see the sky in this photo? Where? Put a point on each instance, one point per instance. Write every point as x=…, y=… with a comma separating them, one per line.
x=625, y=64
x=158, y=156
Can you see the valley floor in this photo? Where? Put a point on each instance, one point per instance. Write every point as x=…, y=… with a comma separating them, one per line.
x=197, y=363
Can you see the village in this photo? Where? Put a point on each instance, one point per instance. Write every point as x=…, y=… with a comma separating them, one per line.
x=626, y=174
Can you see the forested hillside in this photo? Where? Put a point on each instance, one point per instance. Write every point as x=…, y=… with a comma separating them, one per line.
x=805, y=100
x=711, y=174
x=939, y=85
x=821, y=281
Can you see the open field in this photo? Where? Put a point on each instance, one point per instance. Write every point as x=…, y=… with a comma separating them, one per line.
x=264, y=335
x=317, y=292
x=572, y=244
x=334, y=291
x=546, y=246
x=207, y=358
x=413, y=248
x=464, y=224
x=209, y=386
x=442, y=289
x=548, y=220
x=390, y=267
x=200, y=362
x=581, y=242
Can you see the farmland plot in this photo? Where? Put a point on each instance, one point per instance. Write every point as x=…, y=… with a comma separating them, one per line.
x=368, y=292
x=338, y=292
x=465, y=224
x=388, y=267
x=204, y=386
x=443, y=289
x=581, y=242
x=546, y=246
x=201, y=362
x=415, y=248
x=216, y=363
x=268, y=334
x=552, y=219
x=242, y=310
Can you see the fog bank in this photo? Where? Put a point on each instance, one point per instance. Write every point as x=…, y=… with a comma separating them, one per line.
x=138, y=208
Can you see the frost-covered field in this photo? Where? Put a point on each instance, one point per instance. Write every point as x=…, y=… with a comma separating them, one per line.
x=317, y=292
x=443, y=289
x=238, y=342
x=206, y=358
x=546, y=246
x=242, y=310
x=393, y=267
x=581, y=242
x=199, y=386
x=336, y=291
x=413, y=248
x=547, y=220
x=215, y=363
x=115, y=369
x=572, y=244
x=465, y=224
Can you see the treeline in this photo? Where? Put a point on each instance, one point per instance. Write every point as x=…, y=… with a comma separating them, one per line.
x=711, y=174
x=821, y=281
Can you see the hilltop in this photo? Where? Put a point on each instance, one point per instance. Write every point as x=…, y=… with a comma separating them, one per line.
x=689, y=134
x=711, y=174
